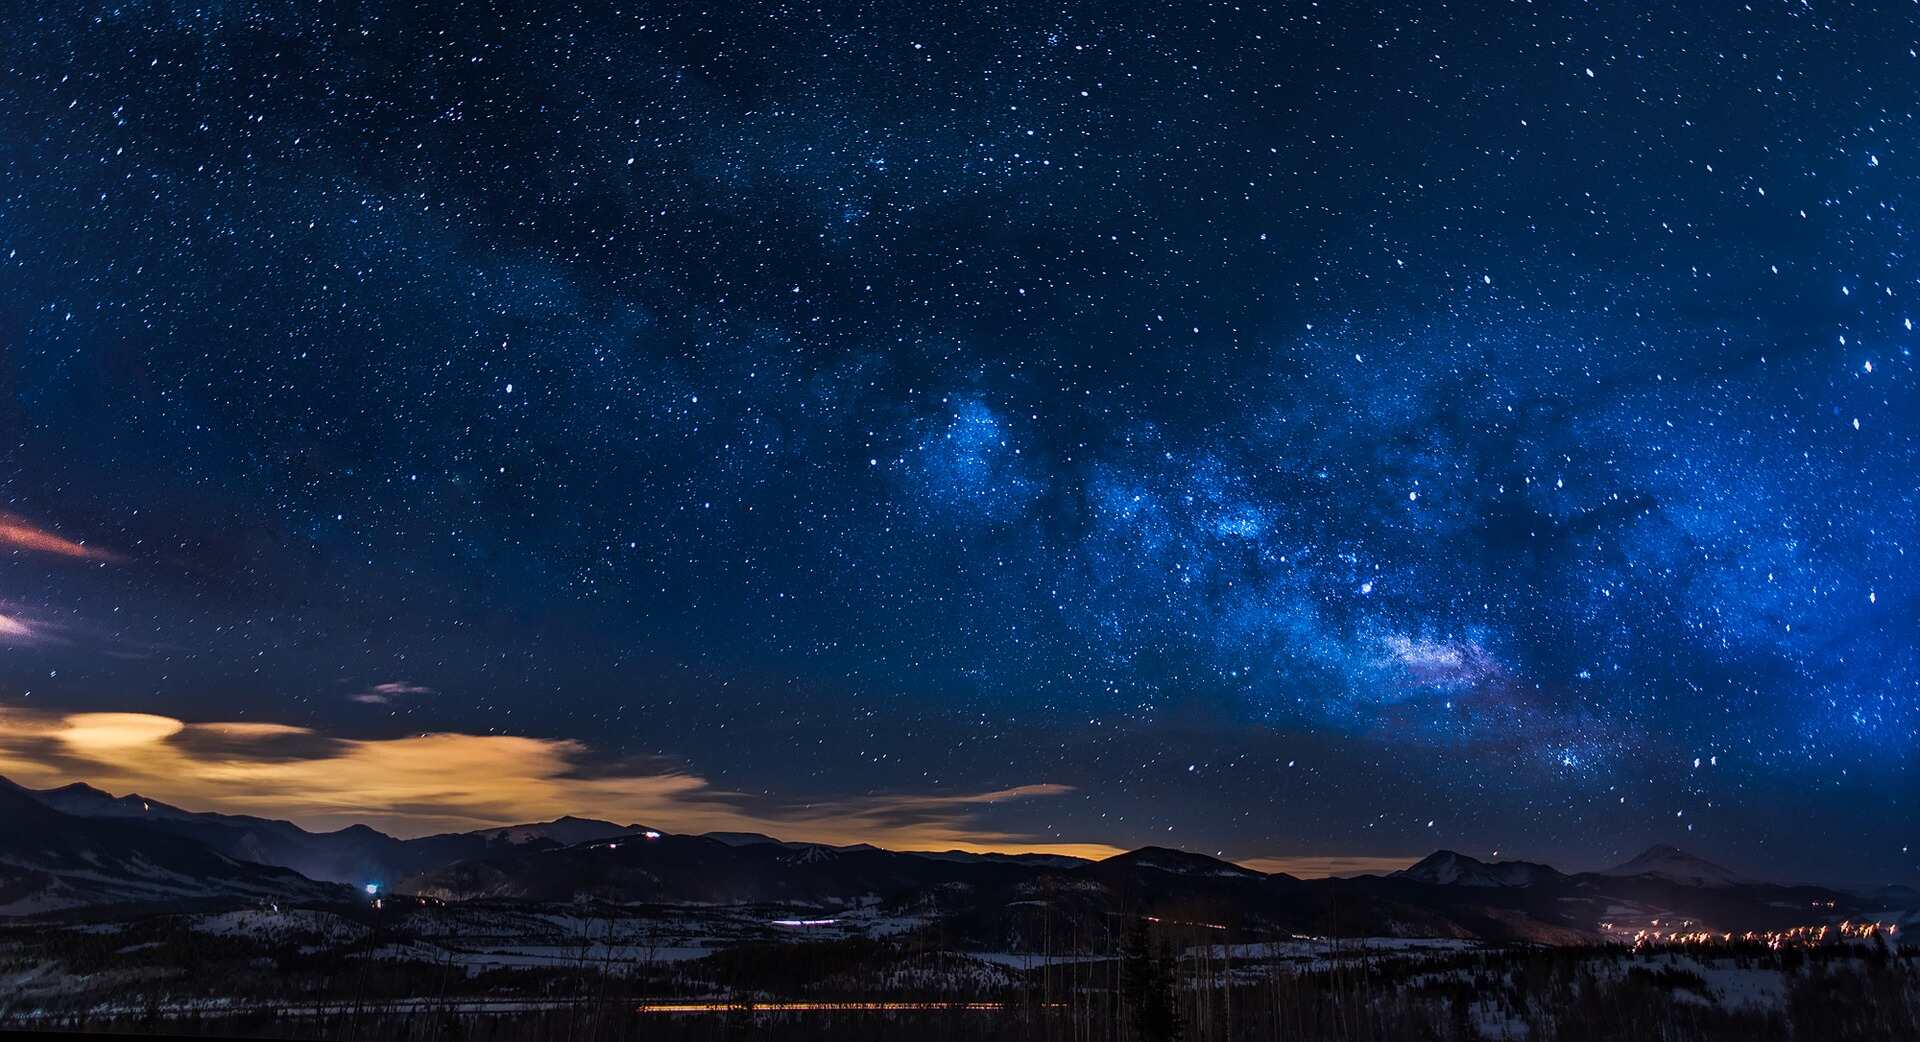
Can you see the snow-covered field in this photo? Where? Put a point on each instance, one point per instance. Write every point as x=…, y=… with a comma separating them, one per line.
x=1339, y=948
x=1730, y=985
x=1030, y=960
x=481, y=955
x=477, y=937
x=272, y=923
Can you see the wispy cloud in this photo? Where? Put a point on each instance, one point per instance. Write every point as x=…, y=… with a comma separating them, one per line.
x=24, y=535
x=439, y=782
x=22, y=625
x=15, y=630
x=388, y=693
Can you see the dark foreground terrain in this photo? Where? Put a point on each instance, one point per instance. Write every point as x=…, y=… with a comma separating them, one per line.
x=123, y=914
x=416, y=970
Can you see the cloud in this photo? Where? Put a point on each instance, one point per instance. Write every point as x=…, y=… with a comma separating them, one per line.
x=16, y=630
x=915, y=821
x=428, y=783
x=21, y=625
x=24, y=535
x=388, y=693
x=1315, y=866
x=106, y=733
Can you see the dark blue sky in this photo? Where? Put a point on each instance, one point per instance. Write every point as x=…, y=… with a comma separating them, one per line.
x=1302, y=429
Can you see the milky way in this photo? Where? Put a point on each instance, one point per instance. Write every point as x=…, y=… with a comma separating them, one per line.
x=1299, y=429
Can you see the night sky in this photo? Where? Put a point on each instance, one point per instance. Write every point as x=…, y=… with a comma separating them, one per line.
x=1292, y=431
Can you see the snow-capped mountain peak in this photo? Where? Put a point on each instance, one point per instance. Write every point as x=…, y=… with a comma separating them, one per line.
x=1675, y=865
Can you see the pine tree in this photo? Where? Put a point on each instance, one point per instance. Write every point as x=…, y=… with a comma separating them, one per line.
x=1147, y=981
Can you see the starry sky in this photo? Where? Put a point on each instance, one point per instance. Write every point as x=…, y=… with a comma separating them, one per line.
x=1308, y=432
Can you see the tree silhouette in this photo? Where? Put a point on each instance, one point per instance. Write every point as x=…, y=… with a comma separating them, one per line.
x=1147, y=981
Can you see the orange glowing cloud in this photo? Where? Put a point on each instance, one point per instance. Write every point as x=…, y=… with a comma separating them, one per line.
x=1308, y=866
x=105, y=733
x=427, y=783
x=24, y=535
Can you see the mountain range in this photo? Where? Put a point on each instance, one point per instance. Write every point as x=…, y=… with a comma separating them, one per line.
x=356, y=855
x=76, y=846
x=50, y=860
